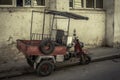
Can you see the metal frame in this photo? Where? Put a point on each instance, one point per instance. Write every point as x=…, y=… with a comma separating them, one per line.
x=32, y=25
x=68, y=16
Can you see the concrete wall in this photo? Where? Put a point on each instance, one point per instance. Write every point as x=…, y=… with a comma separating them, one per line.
x=112, y=22
x=109, y=7
x=117, y=24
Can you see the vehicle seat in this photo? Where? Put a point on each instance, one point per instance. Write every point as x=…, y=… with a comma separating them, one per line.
x=59, y=36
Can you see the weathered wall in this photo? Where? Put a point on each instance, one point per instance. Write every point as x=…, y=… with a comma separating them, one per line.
x=61, y=5
x=15, y=24
x=109, y=7
x=117, y=24
x=92, y=31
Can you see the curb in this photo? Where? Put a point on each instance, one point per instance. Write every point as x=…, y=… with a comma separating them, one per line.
x=106, y=58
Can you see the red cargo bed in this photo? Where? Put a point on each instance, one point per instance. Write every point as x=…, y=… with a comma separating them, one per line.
x=31, y=47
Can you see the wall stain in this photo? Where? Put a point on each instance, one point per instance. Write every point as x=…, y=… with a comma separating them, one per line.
x=10, y=41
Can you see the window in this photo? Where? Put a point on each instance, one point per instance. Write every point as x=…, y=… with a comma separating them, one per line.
x=6, y=3
x=22, y=3
x=28, y=3
x=99, y=3
x=19, y=3
x=70, y=3
x=89, y=3
x=86, y=3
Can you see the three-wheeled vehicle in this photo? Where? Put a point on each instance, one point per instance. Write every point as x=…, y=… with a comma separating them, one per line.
x=43, y=51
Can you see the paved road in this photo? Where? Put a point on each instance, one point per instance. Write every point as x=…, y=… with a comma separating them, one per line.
x=105, y=70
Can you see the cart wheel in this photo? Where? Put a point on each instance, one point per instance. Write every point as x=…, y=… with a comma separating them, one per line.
x=85, y=59
x=46, y=46
x=45, y=68
x=29, y=62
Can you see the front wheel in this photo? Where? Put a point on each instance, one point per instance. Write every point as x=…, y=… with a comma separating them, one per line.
x=45, y=68
x=85, y=59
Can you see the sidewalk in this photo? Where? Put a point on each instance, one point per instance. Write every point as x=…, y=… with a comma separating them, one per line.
x=104, y=53
x=21, y=67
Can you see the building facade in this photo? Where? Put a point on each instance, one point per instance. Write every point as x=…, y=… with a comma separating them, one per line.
x=102, y=28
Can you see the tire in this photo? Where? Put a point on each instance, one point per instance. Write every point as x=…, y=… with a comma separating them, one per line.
x=45, y=68
x=46, y=43
x=85, y=59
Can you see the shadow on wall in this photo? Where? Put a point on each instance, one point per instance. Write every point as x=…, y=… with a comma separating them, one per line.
x=9, y=52
x=95, y=43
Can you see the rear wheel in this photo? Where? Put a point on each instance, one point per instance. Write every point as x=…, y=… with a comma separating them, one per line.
x=45, y=68
x=85, y=59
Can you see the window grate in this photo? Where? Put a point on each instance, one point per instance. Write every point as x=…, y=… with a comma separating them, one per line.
x=27, y=2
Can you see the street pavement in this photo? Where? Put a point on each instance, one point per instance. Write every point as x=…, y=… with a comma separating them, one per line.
x=20, y=67
x=104, y=70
